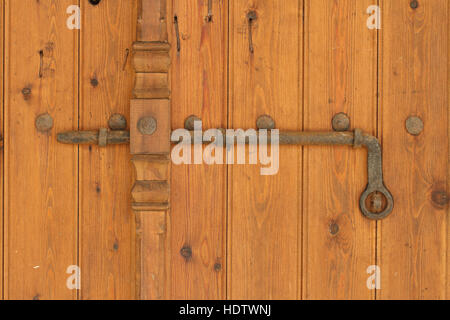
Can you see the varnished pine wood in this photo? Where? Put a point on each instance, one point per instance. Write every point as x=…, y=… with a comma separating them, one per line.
x=41, y=175
x=151, y=190
x=414, y=80
x=198, y=192
x=340, y=76
x=106, y=221
x=264, y=215
x=2, y=171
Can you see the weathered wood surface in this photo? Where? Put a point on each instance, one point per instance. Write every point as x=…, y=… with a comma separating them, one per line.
x=340, y=76
x=264, y=217
x=413, y=249
x=2, y=171
x=106, y=220
x=231, y=233
x=41, y=180
x=151, y=192
x=198, y=192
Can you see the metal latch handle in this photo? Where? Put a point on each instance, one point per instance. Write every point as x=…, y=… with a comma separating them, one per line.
x=376, y=201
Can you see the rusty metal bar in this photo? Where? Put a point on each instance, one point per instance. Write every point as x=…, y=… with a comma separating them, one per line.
x=101, y=137
x=376, y=202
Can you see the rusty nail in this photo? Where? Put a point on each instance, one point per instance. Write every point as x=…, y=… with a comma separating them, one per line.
x=334, y=228
x=265, y=122
x=41, y=62
x=190, y=121
x=44, y=123
x=414, y=4
x=341, y=122
x=177, y=32
x=251, y=16
x=414, y=125
x=210, y=14
x=147, y=125
x=117, y=122
x=186, y=252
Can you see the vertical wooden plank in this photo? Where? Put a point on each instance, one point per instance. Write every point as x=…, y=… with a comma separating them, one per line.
x=265, y=211
x=340, y=76
x=41, y=175
x=106, y=222
x=198, y=211
x=2, y=34
x=414, y=82
x=151, y=190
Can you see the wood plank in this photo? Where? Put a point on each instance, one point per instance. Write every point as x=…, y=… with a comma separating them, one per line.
x=41, y=175
x=150, y=236
x=198, y=210
x=2, y=7
x=414, y=70
x=107, y=231
x=340, y=76
x=151, y=192
x=264, y=215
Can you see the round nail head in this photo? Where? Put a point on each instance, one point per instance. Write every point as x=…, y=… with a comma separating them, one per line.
x=341, y=122
x=147, y=125
x=189, y=123
x=414, y=125
x=44, y=123
x=265, y=122
x=414, y=4
x=117, y=122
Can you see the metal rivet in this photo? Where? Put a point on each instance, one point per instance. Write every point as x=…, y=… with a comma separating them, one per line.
x=94, y=2
x=147, y=125
x=265, y=122
x=334, y=228
x=414, y=4
x=440, y=198
x=117, y=122
x=190, y=121
x=414, y=125
x=341, y=122
x=44, y=123
x=186, y=252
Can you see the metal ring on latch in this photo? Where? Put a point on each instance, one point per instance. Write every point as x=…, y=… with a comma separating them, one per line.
x=376, y=202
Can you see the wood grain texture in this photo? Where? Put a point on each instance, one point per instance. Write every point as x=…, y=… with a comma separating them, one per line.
x=151, y=191
x=198, y=192
x=151, y=240
x=41, y=179
x=152, y=20
x=340, y=76
x=264, y=215
x=2, y=172
x=107, y=228
x=413, y=255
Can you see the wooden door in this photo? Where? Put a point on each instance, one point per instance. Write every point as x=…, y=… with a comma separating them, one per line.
x=105, y=220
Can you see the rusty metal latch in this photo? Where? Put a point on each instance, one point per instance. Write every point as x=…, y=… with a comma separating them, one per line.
x=376, y=201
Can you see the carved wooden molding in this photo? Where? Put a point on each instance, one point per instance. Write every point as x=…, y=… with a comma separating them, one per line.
x=151, y=190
